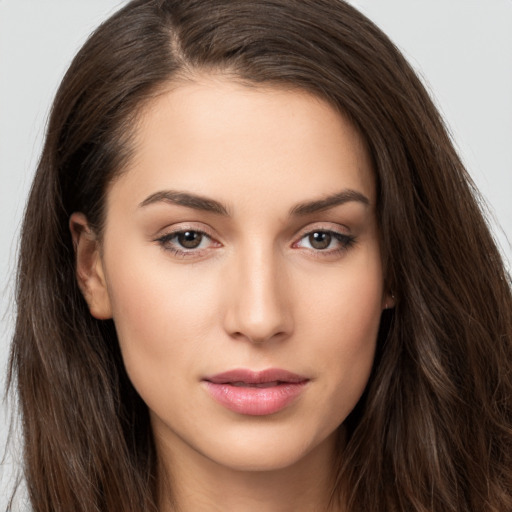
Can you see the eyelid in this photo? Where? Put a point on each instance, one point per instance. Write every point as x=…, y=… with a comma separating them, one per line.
x=345, y=240
x=167, y=234
x=180, y=227
x=323, y=226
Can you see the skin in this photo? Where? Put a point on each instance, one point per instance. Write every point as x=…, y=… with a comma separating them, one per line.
x=257, y=292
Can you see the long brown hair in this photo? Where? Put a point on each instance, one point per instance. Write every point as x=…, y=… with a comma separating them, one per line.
x=433, y=430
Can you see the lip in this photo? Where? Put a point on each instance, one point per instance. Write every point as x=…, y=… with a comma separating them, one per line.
x=255, y=393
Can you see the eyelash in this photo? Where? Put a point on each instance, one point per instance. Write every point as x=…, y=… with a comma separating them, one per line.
x=167, y=245
x=345, y=242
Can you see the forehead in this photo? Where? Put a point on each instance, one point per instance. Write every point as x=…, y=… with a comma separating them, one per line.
x=223, y=139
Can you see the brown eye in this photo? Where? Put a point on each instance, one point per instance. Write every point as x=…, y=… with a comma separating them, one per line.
x=188, y=243
x=189, y=239
x=325, y=242
x=320, y=240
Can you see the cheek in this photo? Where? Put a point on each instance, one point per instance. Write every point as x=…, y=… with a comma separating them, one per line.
x=162, y=314
x=346, y=303
x=342, y=324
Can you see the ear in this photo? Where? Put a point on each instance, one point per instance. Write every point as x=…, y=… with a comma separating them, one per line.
x=89, y=267
x=388, y=301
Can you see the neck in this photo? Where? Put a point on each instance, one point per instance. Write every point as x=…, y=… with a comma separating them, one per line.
x=201, y=485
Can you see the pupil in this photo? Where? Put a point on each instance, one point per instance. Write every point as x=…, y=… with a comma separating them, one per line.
x=320, y=240
x=190, y=239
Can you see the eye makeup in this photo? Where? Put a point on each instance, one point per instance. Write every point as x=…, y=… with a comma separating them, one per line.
x=193, y=242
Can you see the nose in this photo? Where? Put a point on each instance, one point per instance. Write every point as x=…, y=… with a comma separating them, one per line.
x=259, y=299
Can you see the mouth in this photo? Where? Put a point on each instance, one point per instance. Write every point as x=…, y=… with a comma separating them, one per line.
x=261, y=385
x=265, y=378
x=255, y=393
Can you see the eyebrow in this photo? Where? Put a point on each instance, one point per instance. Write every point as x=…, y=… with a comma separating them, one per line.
x=186, y=199
x=198, y=202
x=328, y=202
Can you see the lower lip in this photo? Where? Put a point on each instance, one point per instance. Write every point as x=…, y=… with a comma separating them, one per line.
x=255, y=401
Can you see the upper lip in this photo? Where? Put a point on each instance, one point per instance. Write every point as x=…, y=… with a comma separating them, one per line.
x=255, y=377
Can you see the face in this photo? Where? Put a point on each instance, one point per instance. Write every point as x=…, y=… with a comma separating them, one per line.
x=240, y=263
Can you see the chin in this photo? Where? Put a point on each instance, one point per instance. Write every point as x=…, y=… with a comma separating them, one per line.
x=266, y=450
x=259, y=460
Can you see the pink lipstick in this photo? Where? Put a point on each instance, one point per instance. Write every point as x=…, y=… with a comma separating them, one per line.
x=255, y=393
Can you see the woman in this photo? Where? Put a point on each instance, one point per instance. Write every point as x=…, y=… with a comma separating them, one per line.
x=254, y=274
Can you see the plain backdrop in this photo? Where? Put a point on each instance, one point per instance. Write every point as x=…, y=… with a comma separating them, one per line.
x=461, y=48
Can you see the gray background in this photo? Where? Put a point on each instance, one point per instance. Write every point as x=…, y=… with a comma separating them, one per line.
x=461, y=48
